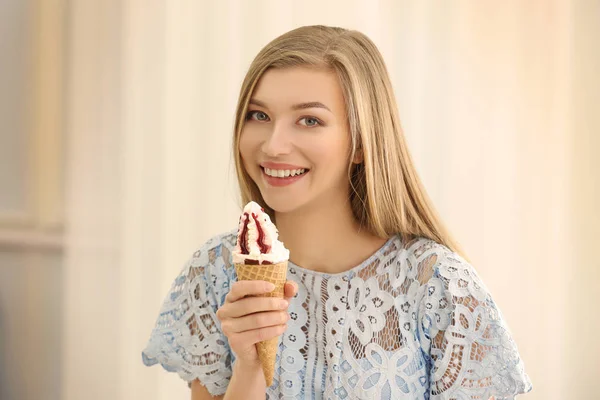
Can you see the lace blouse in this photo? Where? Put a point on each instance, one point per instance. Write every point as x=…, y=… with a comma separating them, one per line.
x=414, y=321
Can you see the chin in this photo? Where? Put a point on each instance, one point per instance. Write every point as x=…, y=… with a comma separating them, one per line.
x=281, y=204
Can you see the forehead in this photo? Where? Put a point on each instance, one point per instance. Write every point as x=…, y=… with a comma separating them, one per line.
x=284, y=87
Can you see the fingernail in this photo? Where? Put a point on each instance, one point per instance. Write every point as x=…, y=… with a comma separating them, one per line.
x=269, y=287
x=283, y=304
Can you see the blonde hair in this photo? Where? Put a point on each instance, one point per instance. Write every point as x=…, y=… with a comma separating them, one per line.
x=387, y=196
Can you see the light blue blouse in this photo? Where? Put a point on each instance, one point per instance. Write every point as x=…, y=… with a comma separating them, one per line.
x=414, y=321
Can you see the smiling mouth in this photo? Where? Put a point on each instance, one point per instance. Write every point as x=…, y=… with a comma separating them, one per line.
x=284, y=173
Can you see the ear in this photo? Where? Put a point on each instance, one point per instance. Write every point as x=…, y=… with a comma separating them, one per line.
x=358, y=157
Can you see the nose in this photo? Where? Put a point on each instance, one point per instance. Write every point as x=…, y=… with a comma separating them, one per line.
x=277, y=143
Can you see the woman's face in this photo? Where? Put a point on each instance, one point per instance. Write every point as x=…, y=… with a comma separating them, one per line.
x=295, y=142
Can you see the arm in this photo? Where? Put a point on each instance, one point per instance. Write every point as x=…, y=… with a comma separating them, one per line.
x=466, y=338
x=199, y=392
x=247, y=382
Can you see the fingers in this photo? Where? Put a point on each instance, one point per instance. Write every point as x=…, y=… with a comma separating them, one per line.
x=250, y=338
x=251, y=305
x=290, y=289
x=254, y=321
x=247, y=317
x=241, y=289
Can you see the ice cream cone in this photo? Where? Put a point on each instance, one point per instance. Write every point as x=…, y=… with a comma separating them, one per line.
x=276, y=274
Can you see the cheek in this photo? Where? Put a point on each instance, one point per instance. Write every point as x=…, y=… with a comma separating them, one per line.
x=248, y=145
x=332, y=152
x=245, y=149
x=331, y=158
x=244, y=144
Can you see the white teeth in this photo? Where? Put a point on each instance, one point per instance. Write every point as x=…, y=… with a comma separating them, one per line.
x=284, y=173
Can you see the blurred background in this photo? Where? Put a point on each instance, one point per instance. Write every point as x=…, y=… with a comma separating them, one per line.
x=116, y=120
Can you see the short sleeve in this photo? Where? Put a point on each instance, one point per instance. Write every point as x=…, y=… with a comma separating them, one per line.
x=467, y=345
x=187, y=336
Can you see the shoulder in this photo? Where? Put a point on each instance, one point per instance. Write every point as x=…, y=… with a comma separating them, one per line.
x=209, y=269
x=417, y=248
x=433, y=260
x=215, y=251
x=223, y=241
x=443, y=283
x=427, y=252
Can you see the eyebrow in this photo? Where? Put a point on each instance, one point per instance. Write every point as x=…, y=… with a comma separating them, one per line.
x=301, y=106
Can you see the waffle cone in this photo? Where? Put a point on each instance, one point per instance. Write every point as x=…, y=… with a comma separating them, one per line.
x=276, y=274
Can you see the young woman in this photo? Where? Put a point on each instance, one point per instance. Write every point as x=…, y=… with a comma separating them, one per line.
x=380, y=303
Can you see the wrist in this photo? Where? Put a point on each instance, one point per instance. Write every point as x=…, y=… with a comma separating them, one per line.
x=247, y=382
x=245, y=365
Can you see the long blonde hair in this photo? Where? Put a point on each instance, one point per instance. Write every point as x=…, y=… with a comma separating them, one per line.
x=387, y=196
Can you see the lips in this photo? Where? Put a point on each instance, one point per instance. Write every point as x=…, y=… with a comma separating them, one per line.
x=284, y=177
x=280, y=173
x=281, y=166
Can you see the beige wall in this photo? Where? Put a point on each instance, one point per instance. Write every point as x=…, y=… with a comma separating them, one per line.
x=31, y=258
x=499, y=104
x=582, y=347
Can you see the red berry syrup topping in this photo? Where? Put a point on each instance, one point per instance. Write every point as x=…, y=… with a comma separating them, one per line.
x=244, y=235
x=264, y=248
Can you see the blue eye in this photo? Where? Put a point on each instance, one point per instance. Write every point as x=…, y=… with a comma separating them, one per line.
x=260, y=116
x=311, y=121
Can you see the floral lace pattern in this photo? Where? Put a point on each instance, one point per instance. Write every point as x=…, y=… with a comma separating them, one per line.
x=414, y=321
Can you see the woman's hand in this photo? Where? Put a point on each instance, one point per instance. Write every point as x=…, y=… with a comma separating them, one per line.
x=247, y=320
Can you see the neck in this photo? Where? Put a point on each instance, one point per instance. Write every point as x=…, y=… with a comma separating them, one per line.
x=326, y=239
